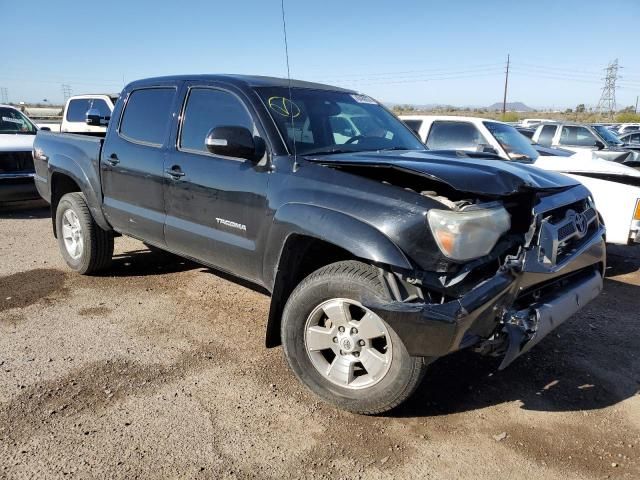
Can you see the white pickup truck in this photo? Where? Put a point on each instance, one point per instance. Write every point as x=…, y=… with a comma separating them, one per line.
x=615, y=187
x=74, y=118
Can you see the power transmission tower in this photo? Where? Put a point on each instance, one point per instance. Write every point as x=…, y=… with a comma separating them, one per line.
x=607, y=103
x=506, y=82
x=4, y=95
x=66, y=92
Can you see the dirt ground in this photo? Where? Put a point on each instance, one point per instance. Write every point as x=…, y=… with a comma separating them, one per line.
x=158, y=370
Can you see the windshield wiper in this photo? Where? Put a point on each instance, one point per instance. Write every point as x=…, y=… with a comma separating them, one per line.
x=331, y=151
x=390, y=149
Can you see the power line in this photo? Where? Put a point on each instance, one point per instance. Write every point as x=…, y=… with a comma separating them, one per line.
x=430, y=71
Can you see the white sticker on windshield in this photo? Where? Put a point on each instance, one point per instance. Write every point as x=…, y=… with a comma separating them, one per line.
x=12, y=120
x=363, y=99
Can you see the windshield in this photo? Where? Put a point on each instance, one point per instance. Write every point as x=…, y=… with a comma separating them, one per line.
x=323, y=122
x=12, y=121
x=607, y=135
x=517, y=146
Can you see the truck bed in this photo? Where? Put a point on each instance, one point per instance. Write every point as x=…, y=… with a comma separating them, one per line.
x=76, y=155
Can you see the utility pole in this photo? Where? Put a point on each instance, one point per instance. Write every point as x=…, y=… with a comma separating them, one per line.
x=607, y=103
x=506, y=83
x=636, y=111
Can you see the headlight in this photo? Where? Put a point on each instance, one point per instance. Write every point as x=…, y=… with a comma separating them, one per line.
x=468, y=234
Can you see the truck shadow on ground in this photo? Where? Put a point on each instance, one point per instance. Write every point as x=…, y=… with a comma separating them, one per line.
x=143, y=262
x=590, y=362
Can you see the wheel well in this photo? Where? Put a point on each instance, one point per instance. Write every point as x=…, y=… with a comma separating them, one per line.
x=301, y=255
x=60, y=185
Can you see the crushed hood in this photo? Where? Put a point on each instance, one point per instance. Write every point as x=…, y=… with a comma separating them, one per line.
x=467, y=172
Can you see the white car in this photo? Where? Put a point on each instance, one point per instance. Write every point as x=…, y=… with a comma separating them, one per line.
x=533, y=122
x=17, y=133
x=627, y=127
x=615, y=187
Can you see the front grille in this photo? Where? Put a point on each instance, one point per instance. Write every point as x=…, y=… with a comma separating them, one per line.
x=16, y=162
x=565, y=229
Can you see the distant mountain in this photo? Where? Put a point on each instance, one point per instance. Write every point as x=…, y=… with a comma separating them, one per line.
x=511, y=107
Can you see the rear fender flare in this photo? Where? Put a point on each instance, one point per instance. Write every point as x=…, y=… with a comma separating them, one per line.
x=64, y=165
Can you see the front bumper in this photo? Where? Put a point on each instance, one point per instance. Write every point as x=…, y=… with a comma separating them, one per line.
x=17, y=187
x=434, y=330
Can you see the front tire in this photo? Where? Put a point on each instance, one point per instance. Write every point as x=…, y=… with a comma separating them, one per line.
x=341, y=350
x=85, y=246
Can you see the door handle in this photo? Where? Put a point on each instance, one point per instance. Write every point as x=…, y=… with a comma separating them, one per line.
x=175, y=172
x=113, y=160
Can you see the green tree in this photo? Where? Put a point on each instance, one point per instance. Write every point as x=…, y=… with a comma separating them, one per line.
x=581, y=108
x=509, y=117
x=628, y=117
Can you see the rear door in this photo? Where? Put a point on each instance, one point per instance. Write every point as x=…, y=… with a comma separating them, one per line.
x=216, y=206
x=132, y=162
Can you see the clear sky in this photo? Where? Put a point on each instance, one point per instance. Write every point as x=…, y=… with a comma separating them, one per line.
x=401, y=51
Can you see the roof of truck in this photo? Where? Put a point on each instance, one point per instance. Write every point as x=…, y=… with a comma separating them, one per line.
x=242, y=80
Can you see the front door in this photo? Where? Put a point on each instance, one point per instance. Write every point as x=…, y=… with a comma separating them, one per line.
x=215, y=205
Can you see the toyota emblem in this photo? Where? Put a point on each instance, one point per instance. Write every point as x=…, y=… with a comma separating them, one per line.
x=581, y=224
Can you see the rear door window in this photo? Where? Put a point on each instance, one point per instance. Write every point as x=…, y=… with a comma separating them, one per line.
x=77, y=109
x=546, y=135
x=147, y=114
x=452, y=135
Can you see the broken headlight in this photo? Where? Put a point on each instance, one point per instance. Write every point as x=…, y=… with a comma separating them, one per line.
x=469, y=233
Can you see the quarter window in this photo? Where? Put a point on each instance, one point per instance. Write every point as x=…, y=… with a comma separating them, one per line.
x=454, y=135
x=414, y=125
x=577, y=136
x=147, y=115
x=209, y=108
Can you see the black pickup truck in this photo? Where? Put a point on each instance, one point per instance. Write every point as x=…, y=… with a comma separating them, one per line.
x=380, y=256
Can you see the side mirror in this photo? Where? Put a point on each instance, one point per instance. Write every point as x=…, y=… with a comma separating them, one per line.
x=599, y=145
x=235, y=142
x=94, y=118
x=484, y=148
x=45, y=129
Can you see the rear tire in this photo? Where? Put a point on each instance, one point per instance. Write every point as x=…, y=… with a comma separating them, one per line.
x=362, y=367
x=85, y=246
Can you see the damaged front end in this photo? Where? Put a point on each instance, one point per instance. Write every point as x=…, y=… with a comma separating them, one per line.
x=540, y=281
